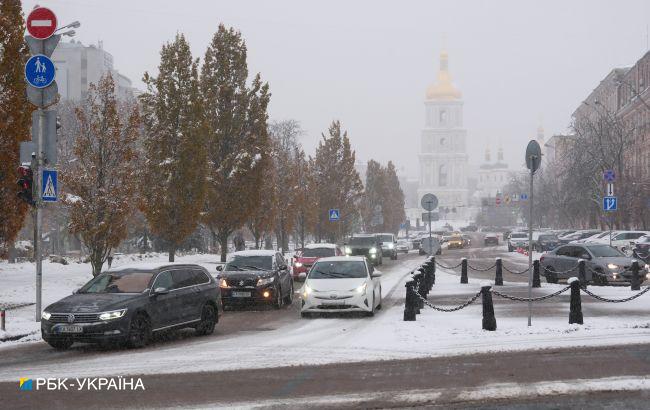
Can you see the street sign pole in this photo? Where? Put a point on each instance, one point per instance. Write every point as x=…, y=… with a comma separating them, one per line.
x=40, y=133
x=430, y=240
x=533, y=161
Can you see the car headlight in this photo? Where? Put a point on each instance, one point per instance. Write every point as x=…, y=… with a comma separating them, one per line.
x=647, y=267
x=362, y=289
x=373, y=250
x=348, y=250
x=298, y=265
x=612, y=266
x=391, y=246
x=265, y=281
x=223, y=283
x=115, y=314
x=46, y=315
x=306, y=291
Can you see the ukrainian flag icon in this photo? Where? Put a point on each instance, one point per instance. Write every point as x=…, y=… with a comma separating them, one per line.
x=25, y=383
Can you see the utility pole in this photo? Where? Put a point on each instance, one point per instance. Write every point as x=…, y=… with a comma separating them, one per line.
x=533, y=161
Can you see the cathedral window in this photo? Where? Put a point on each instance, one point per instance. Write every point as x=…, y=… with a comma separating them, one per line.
x=443, y=117
x=442, y=176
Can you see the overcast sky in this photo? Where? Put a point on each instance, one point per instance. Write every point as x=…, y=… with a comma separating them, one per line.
x=368, y=63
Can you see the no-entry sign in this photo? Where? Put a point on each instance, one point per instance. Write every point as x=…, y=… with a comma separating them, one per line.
x=41, y=23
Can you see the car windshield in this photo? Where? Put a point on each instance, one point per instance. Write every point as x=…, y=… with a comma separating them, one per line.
x=604, y=251
x=318, y=252
x=385, y=238
x=119, y=282
x=363, y=240
x=519, y=235
x=548, y=238
x=338, y=270
x=249, y=262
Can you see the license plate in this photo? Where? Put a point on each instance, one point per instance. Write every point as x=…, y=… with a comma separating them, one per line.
x=69, y=329
x=241, y=294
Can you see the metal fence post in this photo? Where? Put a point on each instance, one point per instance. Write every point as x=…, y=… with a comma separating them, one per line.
x=409, y=302
x=498, y=278
x=2, y=319
x=432, y=262
x=575, y=307
x=582, y=273
x=463, y=270
x=537, y=283
x=489, y=321
x=635, y=282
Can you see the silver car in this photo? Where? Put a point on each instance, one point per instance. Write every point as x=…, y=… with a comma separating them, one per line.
x=604, y=264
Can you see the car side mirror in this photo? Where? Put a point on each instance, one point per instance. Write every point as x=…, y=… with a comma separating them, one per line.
x=160, y=291
x=219, y=268
x=375, y=274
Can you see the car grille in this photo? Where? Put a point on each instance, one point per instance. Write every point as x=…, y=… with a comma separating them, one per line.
x=242, y=283
x=77, y=317
x=359, y=252
x=328, y=307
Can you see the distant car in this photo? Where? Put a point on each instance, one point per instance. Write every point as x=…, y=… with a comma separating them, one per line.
x=641, y=248
x=388, y=245
x=622, y=239
x=592, y=239
x=467, y=240
x=455, y=241
x=128, y=304
x=304, y=259
x=577, y=235
x=403, y=246
x=517, y=240
x=491, y=239
x=256, y=276
x=365, y=245
x=342, y=284
x=604, y=264
x=543, y=241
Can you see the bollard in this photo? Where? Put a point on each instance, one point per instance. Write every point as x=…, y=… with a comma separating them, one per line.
x=409, y=302
x=463, y=270
x=489, y=321
x=635, y=282
x=2, y=319
x=420, y=290
x=428, y=268
x=575, y=307
x=498, y=278
x=537, y=283
x=423, y=289
x=582, y=273
x=433, y=271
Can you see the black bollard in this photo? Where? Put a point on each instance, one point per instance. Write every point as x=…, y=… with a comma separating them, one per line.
x=433, y=270
x=498, y=278
x=463, y=270
x=575, y=308
x=409, y=302
x=419, y=304
x=582, y=273
x=489, y=321
x=537, y=283
x=635, y=283
x=423, y=289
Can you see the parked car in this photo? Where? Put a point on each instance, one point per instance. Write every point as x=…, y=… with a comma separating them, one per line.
x=593, y=238
x=641, y=248
x=256, y=276
x=622, y=239
x=577, y=235
x=403, y=246
x=467, y=240
x=365, y=245
x=543, y=241
x=342, y=284
x=304, y=259
x=517, y=240
x=388, y=245
x=130, y=303
x=604, y=264
x=455, y=241
x=491, y=239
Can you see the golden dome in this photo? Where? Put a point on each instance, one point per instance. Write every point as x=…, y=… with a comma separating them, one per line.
x=443, y=89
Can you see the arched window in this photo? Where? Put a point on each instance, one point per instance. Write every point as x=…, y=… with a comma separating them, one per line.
x=442, y=175
x=442, y=141
x=442, y=116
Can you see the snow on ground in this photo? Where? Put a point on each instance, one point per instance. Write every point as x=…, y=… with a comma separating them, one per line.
x=386, y=336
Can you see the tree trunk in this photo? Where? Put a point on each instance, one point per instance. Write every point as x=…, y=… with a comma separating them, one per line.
x=172, y=252
x=223, y=244
x=12, y=252
x=96, y=262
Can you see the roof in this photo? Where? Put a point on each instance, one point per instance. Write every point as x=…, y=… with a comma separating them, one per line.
x=320, y=245
x=149, y=266
x=364, y=235
x=342, y=259
x=255, y=252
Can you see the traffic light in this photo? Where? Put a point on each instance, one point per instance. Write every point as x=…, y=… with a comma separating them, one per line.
x=25, y=182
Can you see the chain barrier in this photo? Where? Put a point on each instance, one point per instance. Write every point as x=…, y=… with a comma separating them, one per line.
x=14, y=306
x=537, y=299
x=561, y=272
x=454, y=309
x=448, y=267
x=513, y=272
x=603, y=299
x=481, y=269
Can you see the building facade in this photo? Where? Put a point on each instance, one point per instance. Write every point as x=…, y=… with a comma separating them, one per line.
x=443, y=151
x=493, y=175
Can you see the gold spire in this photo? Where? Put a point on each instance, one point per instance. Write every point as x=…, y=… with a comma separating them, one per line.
x=443, y=89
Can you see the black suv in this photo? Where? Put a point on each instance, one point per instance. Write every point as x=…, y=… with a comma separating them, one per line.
x=128, y=304
x=256, y=276
x=365, y=245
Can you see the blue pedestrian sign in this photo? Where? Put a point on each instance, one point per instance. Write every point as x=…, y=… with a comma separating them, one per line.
x=49, y=188
x=523, y=197
x=335, y=215
x=610, y=203
x=39, y=71
x=609, y=175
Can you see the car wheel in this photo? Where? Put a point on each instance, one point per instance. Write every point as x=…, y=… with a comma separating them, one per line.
x=61, y=344
x=601, y=279
x=208, y=321
x=306, y=315
x=380, y=300
x=288, y=300
x=139, y=331
x=551, y=276
x=277, y=303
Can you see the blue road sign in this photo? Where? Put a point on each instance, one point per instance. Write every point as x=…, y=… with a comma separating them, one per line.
x=610, y=203
x=335, y=215
x=49, y=190
x=40, y=71
x=609, y=175
x=523, y=197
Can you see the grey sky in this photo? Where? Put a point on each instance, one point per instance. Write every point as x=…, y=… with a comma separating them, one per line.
x=368, y=63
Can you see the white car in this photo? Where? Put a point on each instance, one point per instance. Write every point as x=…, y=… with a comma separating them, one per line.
x=341, y=284
x=517, y=240
x=622, y=239
x=594, y=238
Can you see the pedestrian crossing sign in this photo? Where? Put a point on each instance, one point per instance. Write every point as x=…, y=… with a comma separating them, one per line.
x=49, y=189
x=335, y=215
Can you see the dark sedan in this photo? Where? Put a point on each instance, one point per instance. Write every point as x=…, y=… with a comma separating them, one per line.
x=365, y=245
x=256, y=276
x=545, y=242
x=129, y=304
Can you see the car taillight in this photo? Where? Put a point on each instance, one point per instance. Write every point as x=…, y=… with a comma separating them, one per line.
x=541, y=259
